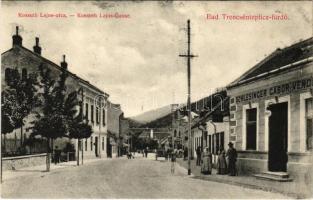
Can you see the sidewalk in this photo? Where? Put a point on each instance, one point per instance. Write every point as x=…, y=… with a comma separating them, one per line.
x=40, y=170
x=293, y=189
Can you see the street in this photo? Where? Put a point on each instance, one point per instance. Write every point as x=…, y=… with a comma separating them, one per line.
x=122, y=178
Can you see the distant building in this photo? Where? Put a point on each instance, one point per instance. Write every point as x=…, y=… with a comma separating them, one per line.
x=124, y=135
x=114, y=114
x=27, y=61
x=271, y=113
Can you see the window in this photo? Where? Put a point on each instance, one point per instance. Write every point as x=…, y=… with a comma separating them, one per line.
x=7, y=74
x=92, y=119
x=87, y=107
x=103, y=117
x=91, y=143
x=175, y=132
x=97, y=115
x=24, y=73
x=85, y=144
x=251, y=127
x=102, y=143
x=179, y=133
x=209, y=144
x=309, y=123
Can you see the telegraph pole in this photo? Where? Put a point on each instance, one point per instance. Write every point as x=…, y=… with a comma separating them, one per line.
x=188, y=56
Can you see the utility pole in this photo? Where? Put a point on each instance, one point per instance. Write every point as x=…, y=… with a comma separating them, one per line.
x=82, y=118
x=188, y=56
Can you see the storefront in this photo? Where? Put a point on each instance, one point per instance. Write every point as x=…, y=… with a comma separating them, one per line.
x=271, y=112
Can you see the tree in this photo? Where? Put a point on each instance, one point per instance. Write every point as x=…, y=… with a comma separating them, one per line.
x=58, y=116
x=18, y=99
x=52, y=120
x=77, y=128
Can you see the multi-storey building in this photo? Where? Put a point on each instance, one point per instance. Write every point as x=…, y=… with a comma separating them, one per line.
x=28, y=61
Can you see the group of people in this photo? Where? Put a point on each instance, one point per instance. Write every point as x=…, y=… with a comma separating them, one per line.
x=226, y=162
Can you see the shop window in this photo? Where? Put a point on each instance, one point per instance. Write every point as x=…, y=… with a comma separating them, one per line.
x=309, y=123
x=87, y=109
x=222, y=140
x=92, y=114
x=91, y=143
x=251, y=126
x=85, y=144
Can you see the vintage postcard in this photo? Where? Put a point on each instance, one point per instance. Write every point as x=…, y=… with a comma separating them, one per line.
x=156, y=99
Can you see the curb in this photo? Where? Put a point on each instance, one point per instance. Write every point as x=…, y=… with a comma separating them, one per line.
x=246, y=185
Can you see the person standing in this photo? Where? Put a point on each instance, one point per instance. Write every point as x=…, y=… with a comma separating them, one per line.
x=221, y=163
x=146, y=152
x=206, y=159
x=232, y=158
x=173, y=160
x=198, y=151
x=57, y=154
x=185, y=153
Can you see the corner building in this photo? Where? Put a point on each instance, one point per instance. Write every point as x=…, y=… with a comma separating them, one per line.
x=271, y=114
x=28, y=61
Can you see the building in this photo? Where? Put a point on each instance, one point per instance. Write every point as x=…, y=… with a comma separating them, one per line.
x=271, y=113
x=27, y=61
x=114, y=115
x=209, y=126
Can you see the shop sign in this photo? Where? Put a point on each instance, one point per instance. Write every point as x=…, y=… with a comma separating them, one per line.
x=282, y=89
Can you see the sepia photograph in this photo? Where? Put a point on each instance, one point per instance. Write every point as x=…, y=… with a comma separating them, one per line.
x=156, y=99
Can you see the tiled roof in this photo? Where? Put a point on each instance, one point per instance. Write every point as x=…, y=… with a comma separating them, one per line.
x=278, y=59
x=59, y=68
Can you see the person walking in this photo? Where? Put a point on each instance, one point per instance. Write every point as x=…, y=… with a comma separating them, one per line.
x=198, y=151
x=221, y=163
x=206, y=160
x=173, y=160
x=232, y=158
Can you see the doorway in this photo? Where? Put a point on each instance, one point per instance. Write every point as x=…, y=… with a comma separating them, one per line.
x=278, y=137
x=96, y=146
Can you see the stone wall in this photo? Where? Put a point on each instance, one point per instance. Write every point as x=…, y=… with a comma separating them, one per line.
x=19, y=162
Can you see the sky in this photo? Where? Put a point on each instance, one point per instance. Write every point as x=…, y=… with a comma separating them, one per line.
x=136, y=60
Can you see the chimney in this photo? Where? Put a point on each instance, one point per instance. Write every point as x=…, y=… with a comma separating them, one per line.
x=37, y=48
x=17, y=39
x=63, y=63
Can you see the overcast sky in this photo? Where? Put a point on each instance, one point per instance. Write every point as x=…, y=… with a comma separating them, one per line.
x=136, y=60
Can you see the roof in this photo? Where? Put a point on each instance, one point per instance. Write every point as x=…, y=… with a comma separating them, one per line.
x=58, y=67
x=280, y=60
